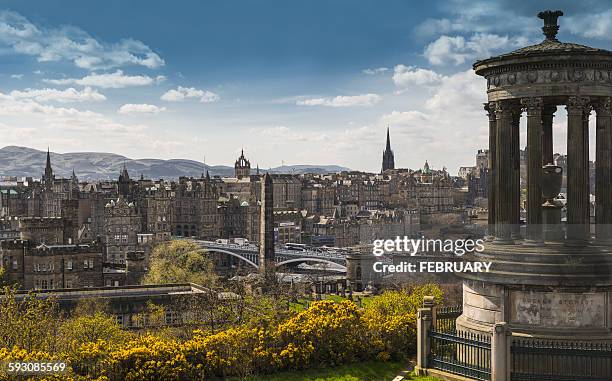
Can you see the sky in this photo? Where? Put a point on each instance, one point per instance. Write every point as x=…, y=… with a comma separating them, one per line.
x=293, y=82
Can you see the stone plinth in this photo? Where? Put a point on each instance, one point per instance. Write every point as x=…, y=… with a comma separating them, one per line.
x=550, y=291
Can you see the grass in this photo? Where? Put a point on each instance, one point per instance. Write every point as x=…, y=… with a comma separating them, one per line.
x=366, y=371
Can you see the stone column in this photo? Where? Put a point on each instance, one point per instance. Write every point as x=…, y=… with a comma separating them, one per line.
x=534, y=168
x=500, y=354
x=577, y=171
x=603, y=166
x=516, y=171
x=424, y=323
x=490, y=108
x=266, y=230
x=503, y=172
x=547, y=136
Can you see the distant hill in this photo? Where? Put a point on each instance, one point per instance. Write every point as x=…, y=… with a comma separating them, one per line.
x=24, y=161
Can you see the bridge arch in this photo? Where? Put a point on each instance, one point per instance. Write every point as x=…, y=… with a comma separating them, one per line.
x=306, y=259
x=215, y=250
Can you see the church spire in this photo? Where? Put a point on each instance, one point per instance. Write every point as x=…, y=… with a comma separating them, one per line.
x=48, y=177
x=388, y=161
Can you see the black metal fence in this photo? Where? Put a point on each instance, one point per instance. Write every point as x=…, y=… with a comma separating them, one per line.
x=463, y=353
x=446, y=317
x=541, y=360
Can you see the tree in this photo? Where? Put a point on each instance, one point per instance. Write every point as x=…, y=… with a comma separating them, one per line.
x=30, y=323
x=180, y=261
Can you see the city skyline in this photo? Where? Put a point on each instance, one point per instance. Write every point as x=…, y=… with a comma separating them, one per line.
x=112, y=77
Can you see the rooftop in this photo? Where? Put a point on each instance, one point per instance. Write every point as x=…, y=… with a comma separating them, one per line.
x=551, y=45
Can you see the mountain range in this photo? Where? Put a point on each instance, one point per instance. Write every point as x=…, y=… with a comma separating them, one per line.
x=29, y=162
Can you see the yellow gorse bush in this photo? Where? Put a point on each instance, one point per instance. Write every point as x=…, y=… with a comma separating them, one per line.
x=326, y=334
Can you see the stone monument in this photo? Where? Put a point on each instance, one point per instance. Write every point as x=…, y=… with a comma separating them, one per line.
x=266, y=228
x=552, y=286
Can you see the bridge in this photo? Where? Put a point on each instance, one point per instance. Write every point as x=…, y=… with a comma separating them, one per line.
x=249, y=254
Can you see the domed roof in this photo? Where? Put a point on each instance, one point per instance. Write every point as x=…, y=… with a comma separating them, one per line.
x=555, y=46
x=550, y=45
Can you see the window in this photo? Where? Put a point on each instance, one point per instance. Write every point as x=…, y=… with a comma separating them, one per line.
x=91, y=264
x=69, y=265
x=85, y=262
x=14, y=265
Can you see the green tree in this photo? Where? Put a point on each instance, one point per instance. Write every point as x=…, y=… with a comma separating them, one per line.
x=180, y=261
x=29, y=323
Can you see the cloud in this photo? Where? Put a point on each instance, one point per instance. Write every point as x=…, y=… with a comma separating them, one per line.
x=404, y=76
x=457, y=49
x=131, y=108
x=480, y=16
x=181, y=93
x=378, y=70
x=68, y=43
x=114, y=80
x=342, y=101
x=593, y=25
x=63, y=96
x=447, y=125
x=16, y=76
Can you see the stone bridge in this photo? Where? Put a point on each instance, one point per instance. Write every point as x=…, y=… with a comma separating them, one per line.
x=249, y=253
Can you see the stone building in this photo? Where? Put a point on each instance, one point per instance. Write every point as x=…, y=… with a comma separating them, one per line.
x=156, y=202
x=195, y=208
x=318, y=199
x=242, y=167
x=51, y=266
x=121, y=228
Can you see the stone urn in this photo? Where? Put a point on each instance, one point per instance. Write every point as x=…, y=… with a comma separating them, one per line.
x=552, y=176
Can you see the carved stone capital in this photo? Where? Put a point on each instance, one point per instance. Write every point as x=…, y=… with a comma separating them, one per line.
x=603, y=107
x=533, y=105
x=506, y=108
x=578, y=105
x=490, y=109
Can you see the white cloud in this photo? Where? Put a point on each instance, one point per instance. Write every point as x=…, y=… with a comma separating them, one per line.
x=404, y=76
x=378, y=70
x=68, y=43
x=66, y=95
x=457, y=49
x=342, y=101
x=114, y=80
x=181, y=93
x=16, y=76
x=446, y=128
x=593, y=25
x=131, y=108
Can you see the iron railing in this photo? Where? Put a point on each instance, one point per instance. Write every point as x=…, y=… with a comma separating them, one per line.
x=462, y=353
x=446, y=318
x=545, y=360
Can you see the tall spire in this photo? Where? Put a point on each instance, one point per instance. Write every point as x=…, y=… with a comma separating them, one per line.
x=388, y=161
x=48, y=177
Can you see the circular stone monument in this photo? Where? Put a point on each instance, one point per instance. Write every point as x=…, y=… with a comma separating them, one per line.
x=543, y=284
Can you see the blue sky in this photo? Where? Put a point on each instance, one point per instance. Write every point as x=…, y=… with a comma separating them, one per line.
x=298, y=82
